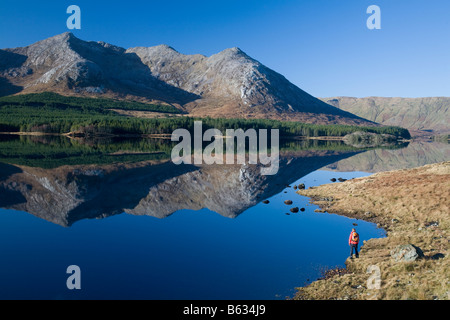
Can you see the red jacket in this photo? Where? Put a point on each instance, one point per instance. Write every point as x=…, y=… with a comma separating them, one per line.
x=350, y=239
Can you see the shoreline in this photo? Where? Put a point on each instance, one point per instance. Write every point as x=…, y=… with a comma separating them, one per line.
x=75, y=135
x=411, y=205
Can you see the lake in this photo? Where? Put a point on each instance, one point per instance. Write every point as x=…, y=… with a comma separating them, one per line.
x=140, y=227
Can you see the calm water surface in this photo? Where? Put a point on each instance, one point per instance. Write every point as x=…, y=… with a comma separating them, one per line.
x=261, y=253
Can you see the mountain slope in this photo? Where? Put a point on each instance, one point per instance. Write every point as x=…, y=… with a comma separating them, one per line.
x=227, y=84
x=233, y=84
x=428, y=114
x=68, y=65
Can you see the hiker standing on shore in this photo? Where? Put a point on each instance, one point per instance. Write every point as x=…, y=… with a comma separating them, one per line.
x=353, y=241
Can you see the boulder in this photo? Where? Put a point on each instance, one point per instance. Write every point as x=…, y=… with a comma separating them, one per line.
x=294, y=210
x=301, y=186
x=406, y=253
x=288, y=202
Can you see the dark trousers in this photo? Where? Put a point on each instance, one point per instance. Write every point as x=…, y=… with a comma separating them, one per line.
x=354, y=247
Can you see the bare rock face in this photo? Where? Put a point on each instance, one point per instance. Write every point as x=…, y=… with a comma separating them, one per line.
x=68, y=65
x=227, y=84
x=232, y=83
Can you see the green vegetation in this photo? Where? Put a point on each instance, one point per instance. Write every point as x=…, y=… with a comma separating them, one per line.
x=359, y=138
x=55, y=151
x=51, y=113
x=51, y=99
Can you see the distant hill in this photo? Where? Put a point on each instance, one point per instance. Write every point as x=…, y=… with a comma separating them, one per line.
x=227, y=84
x=424, y=114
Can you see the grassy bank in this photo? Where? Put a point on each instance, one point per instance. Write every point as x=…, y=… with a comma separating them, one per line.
x=413, y=207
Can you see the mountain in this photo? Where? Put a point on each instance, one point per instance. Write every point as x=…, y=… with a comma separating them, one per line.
x=417, y=114
x=227, y=84
x=68, y=65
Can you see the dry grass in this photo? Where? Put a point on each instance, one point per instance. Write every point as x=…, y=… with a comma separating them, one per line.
x=146, y=114
x=413, y=207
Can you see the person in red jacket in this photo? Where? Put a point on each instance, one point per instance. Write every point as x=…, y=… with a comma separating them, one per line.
x=353, y=241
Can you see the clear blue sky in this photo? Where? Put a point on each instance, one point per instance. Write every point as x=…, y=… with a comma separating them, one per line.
x=322, y=46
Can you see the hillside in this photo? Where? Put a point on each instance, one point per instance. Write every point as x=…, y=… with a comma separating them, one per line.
x=412, y=206
x=417, y=114
x=227, y=84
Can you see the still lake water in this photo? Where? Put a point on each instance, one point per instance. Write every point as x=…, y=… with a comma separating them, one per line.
x=260, y=253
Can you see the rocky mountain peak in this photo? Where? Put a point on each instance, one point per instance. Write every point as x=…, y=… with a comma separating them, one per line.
x=227, y=84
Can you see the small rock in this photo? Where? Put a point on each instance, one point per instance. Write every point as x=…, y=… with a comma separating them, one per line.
x=432, y=224
x=266, y=201
x=294, y=210
x=342, y=179
x=288, y=202
x=394, y=220
x=302, y=209
x=355, y=224
x=301, y=186
x=333, y=180
x=295, y=187
x=406, y=253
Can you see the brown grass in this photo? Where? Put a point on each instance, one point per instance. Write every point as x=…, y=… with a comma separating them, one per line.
x=407, y=204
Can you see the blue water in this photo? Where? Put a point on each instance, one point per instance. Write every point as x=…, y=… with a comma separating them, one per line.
x=261, y=254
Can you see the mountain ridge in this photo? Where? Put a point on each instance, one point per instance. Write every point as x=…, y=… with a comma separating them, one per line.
x=426, y=114
x=226, y=84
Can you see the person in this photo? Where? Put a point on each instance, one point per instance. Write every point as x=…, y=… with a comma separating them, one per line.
x=353, y=241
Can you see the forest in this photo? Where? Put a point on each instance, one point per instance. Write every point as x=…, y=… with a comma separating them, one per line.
x=53, y=113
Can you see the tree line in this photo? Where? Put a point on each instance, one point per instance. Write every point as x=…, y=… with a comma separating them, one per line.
x=52, y=113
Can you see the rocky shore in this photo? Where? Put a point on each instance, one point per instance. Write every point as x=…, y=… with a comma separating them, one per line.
x=412, y=262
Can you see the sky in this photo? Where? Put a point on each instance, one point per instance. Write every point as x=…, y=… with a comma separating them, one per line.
x=322, y=46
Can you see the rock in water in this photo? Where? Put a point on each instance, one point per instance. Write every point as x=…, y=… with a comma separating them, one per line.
x=406, y=253
x=288, y=202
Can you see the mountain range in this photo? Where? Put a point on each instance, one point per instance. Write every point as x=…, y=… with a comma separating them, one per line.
x=227, y=84
x=419, y=115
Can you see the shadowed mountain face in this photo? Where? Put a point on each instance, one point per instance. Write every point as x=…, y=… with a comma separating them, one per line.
x=227, y=84
x=233, y=84
x=68, y=194
x=68, y=65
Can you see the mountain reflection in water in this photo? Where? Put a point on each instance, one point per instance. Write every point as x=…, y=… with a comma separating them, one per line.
x=116, y=177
